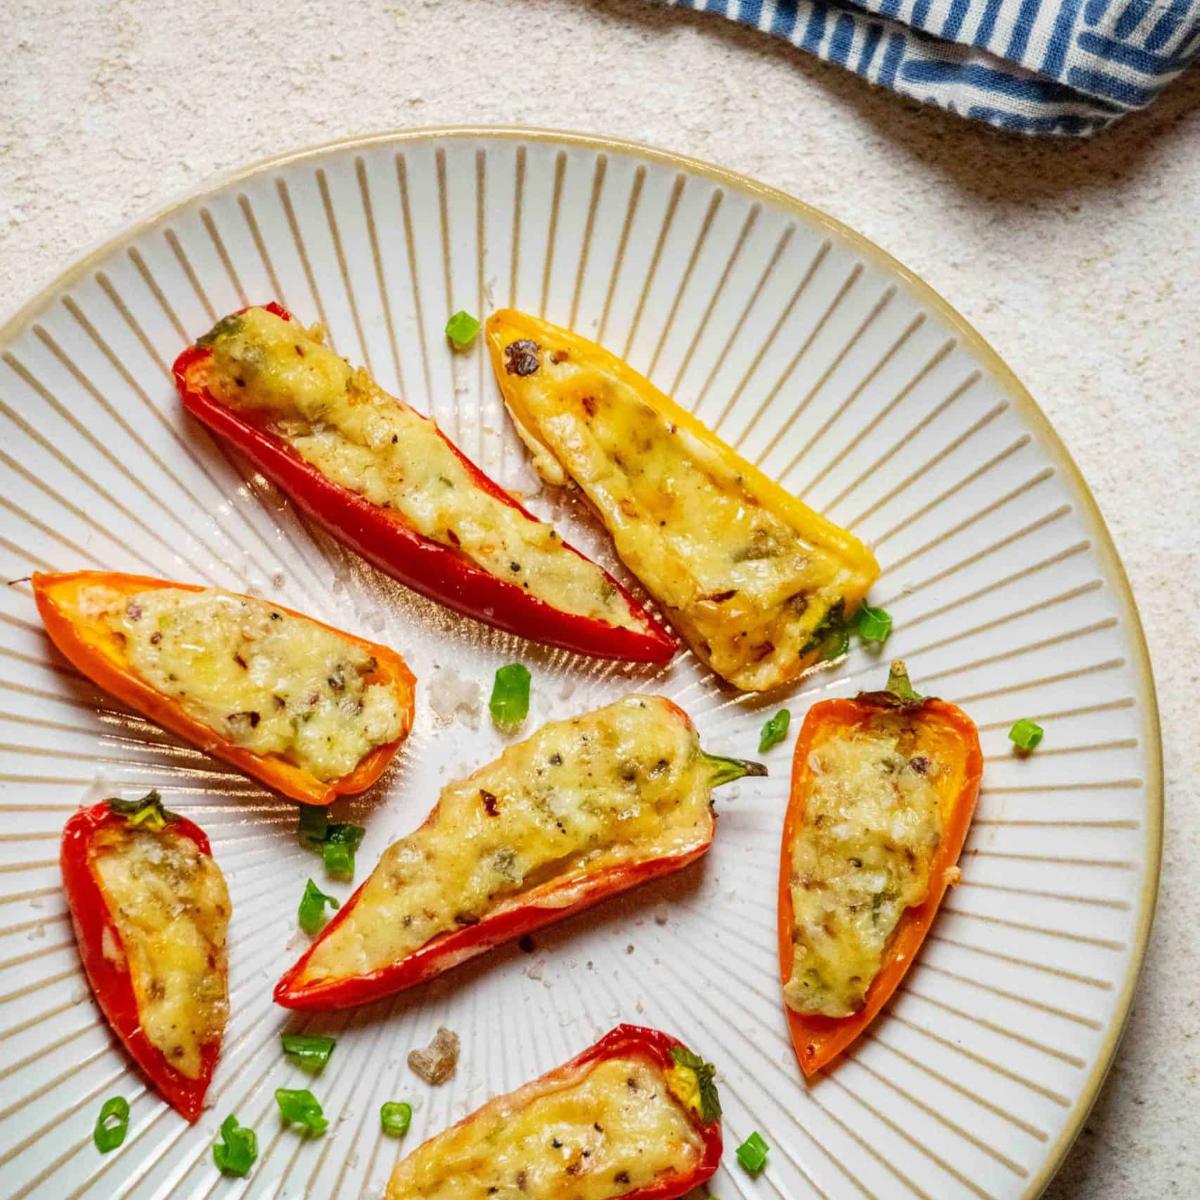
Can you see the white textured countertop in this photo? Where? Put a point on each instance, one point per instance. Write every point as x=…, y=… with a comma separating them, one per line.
x=1079, y=262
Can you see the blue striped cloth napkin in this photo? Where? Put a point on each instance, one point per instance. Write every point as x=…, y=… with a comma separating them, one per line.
x=1067, y=67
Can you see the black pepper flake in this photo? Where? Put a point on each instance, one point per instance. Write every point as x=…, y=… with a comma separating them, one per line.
x=521, y=358
x=155, y=638
x=526, y=944
x=489, y=803
x=276, y=616
x=920, y=764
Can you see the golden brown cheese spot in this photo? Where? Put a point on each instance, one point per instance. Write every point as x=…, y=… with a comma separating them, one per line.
x=872, y=822
x=624, y=783
x=608, y=1130
x=171, y=909
x=260, y=678
x=341, y=422
x=742, y=583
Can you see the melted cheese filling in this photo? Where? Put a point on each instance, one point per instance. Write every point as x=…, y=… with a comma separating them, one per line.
x=744, y=586
x=171, y=909
x=625, y=783
x=339, y=420
x=263, y=679
x=872, y=821
x=608, y=1131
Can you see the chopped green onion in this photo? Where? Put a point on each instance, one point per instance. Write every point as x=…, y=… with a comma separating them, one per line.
x=237, y=1150
x=873, y=624
x=339, y=860
x=774, y=731
x=752, y=1153
x=342, y=833
x=308, y=1051
x=299, y=1106
x=1025, y=734
x=312, y=907
x=462, y=329
x=335, y=841
x=314, y=825
x=395, y=1117
x=510, y=696
x=112, y=1124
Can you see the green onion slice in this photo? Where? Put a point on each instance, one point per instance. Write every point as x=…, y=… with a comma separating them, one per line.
x=312, y=907
x=752, y=1153
x=314, y=825
x=342, y=833
x=509, y=704
x=774, y=731
x=237, y=1150
x=299, y=1106
x=112, y=1124
x=462, y=329
x=395, y=1117
x=873, y=624
x=1025, y=734
x=339, y=860
x=309, y=1051
x=335, y=841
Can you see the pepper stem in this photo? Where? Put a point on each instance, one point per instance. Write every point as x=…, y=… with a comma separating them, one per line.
x=148, y=811
x=901, y=686
x=726, y=770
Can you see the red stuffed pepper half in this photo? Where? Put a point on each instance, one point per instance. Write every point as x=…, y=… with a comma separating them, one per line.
x=581, y=810
x=385, y=480
x=151, y=910
x=635, y=1116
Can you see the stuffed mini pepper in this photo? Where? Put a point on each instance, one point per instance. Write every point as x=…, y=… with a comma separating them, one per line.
x=581, y=810
x=385, y=480
x=754, y=580
x=636, y=1116
x=309, y=710
x=883, y=791
x=150, y=910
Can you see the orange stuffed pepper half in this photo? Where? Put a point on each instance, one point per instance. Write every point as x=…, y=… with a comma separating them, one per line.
x=883, y=791
x=310, y=711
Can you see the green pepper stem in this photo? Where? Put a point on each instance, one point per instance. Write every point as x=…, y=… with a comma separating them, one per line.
x=726, y=770
x=901, y=686
x=148, y=811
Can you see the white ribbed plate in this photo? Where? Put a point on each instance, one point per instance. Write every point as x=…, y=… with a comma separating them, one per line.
x=821, y=359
